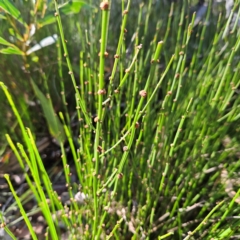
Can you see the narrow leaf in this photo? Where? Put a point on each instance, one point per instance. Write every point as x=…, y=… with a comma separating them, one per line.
x=48, y=19
x=5, y=42
x=71, y=7
x=11, y=50
x=54, y=124
x=9, y=8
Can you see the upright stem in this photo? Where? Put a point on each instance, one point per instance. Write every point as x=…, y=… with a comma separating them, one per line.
x=101, y=91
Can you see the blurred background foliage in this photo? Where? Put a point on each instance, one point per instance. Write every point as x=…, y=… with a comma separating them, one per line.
x=80, y=20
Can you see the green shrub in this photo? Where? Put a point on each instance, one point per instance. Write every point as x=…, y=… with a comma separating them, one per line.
x=142, y=101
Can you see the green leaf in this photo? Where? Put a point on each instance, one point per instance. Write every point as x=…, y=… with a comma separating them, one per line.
x=71, y=7
x=48, y=19
x=5, y=42
x=11, y=50
x=54, y=125
x=9, y=8
x=14, y=34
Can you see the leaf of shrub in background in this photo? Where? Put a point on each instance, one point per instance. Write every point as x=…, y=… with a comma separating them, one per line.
x=5, y=42
x=71, y=7
x=54, y=124
x=11, y=49
x=9, y=8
